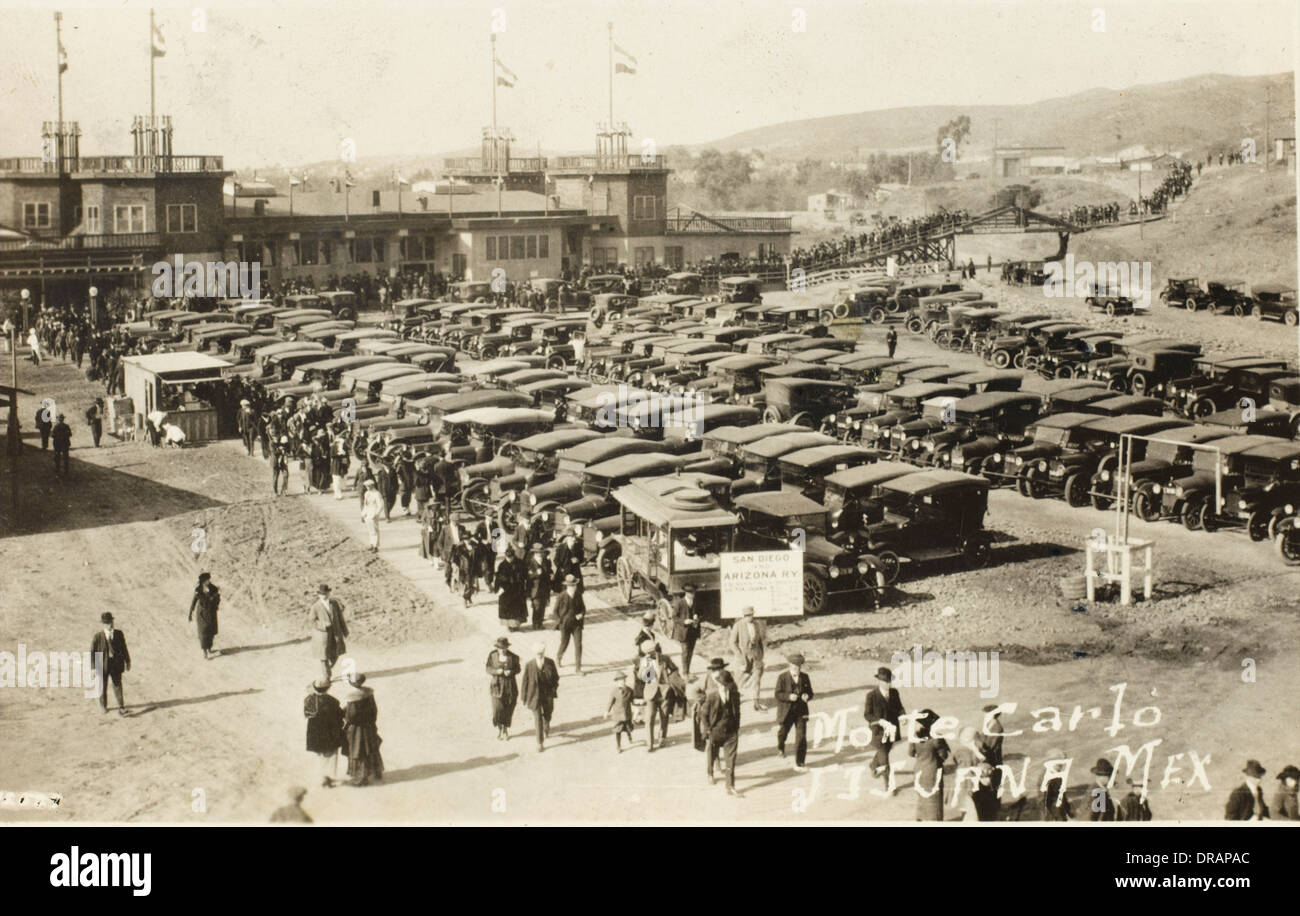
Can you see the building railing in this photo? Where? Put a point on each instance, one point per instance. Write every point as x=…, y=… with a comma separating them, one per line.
x=114, y=164
x=85, y=242
x=687, y=224
x=479, y=165
x=631, y=161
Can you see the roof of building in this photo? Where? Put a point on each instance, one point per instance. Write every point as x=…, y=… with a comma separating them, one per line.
x=163, y=364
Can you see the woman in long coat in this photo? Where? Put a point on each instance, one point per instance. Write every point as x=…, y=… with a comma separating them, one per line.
x=206, y=600
x=324, y=728
x=930, y=754
x=512, y=583
x=360, y=733
x=320, y=461
x=503, y=668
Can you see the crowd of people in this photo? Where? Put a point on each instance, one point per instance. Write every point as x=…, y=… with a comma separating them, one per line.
x=889, y=234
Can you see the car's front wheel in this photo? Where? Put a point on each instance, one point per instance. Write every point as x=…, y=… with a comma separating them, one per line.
x=814, y=592
x=1288, y=545
x=1076, y=490
x=1191, y=514
x=1145, y=506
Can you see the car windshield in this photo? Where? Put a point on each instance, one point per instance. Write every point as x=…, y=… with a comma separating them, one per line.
x=1051, y=435
x=833, y=498
x=756, y=463
x=699, y=548
x=811, y=524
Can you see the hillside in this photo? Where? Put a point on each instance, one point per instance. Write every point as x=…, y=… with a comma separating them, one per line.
x=1190, y=114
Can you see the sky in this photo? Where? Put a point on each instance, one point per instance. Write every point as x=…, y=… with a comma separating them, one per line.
x=287, y=82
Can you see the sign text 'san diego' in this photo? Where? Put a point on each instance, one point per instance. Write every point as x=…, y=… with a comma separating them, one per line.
x=769, y=581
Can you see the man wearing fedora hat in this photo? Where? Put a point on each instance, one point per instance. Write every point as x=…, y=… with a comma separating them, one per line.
x=246, y=422
x=1101, y=805
x=570, y=613
x=686, y=624
x=647, y=631
x=61, y=437
x=1133, y=807
x=503, y=668
x=108, y=649
x=568, y=558
x=1246, y=801
x=720, y=722
x=793, y=691
x=1284, y=802
x=883, y=709
x=328, y=629
x=541, y=687
x=540, y=575
x=324, y=717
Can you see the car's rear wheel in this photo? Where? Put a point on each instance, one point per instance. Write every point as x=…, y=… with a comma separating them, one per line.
x=1100, y=501
x=1001, y=359
x=814, y=592
x=1064, y=371
x=914, y=325
x=804, y=419
x=1139, y=383
x=1288, y=545
x=1202, y=408
x=1111, y=310
x=1257, y=525
x=1239, y=310
x=1208, y=518
x=626, y=580
x=771, y=415
x=557, y=362
x=1076, y=490
x=476, y=499
x=1257, y=313
x=1018, y=360
x=877, y=315
x=1191, y=514
x=1291, y=317
x=1033, y=487
x=1190, y=304
x=488, y=352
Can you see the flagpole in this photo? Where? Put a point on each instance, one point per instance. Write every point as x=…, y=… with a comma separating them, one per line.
x=611, y=76
x=494, y=97
x=58, y=63
x=152, y=57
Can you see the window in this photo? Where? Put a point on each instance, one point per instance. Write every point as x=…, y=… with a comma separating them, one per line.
x=644, y=256
x=182, y=218
x=532, y=246
x=419, y=248
x=76, y=215
x=643, y=207
x=517, y=248
x=604, y=257
x=673, y=257
x=543, y=246
x=503, y=247
x=128, y=218
x=92, y=219
x=379, y=249
x=36, y=216
x=491, y=247
x=361, y=251
x=308, y=251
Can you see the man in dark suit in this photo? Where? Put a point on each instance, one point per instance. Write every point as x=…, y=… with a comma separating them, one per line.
x=686, y=625
x=570, y=613
x=793, y=691
x=61, y=436
x=246, y=422
x=721, y=722
x=111, y=658
x=882, y=711
x=1246, y=802
x=541, y=686
x=539, y=577
x=1101, y=805
x=568, y=559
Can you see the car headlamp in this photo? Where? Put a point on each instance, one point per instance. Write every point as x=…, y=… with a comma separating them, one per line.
x=1042, y=465
x=864, y=568
x=1105, y=475
x=1156, y=488
x=1241, y=504
x=835, y=573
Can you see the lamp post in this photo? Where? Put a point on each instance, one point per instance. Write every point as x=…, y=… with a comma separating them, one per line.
x=27, y=301
x=94, y=308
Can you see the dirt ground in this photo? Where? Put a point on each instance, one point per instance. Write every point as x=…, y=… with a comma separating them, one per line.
x=219, y=741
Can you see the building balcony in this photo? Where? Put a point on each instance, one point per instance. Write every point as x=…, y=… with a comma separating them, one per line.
x=120, y=241
x=114, y=165
x=477, y=165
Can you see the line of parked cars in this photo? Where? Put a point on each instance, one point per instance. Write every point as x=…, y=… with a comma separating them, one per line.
x=1230, y=296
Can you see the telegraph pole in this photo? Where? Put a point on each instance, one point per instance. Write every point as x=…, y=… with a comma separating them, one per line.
x=58, y=61
x=1268, y=106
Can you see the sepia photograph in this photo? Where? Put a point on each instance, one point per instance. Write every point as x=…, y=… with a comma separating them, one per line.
x=669, y=413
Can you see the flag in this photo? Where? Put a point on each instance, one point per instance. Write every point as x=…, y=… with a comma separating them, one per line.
x=293, y=182
x=627, y=64
x=398, y=179
x=505, y=76
x=63, y=58
x=347, y=179
x=159, y=44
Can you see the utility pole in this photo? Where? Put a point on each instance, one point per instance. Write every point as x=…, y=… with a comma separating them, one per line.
x=1268, y=106
x=58, y=59
x=997, y=122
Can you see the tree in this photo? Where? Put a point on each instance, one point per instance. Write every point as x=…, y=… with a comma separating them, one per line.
x=722, y=175
x=956, y=130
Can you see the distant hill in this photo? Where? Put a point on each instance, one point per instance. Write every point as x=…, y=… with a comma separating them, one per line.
x=1188, y=115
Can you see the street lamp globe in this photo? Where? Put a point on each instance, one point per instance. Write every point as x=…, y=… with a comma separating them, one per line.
x=26, y=294
x=94, y=291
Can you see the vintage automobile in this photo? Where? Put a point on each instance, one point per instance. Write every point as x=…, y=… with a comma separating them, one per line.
x=341, y=303
x=256, y=313
x=740, y=289
x=470, y=291
x=900, y=404
x=1073, y=353
x=691, y=370
x=979, y=426
x=1110, y=296
x=263, y=355
x=1203, y=495
x=595, y=499
x=1275, y=300
x=281, y=367
x=684, y=283
x=1006, y=342
x=981, y=380
x=852, y=496
x=547, y=392
x=756, y=464
x=865, y=303
x=298, y=301
x=426, y=358
x=804, y=470
x=452, y=318
x=1118, y=405
x=767, y=343
x=464, y=334
x=1116, y=371
x=928, y=312
x=1026, y=465
x=966, y=327
x=1182, y=292
x=803, y=401
x=729, y=441
x=1228, y=296
x=558, y=296
x=326, y=333
x=776, y=520
x=929, y=516
x=431, y=410
x=906, y=297
x=486, y=430
x=669, y=535
x=330, y=371
x=244, y=349
x=906, y=439
x=1284, y=397
x=515, y=329
x=858, y=369
x=1075, y=470
x=397, y=393
x=532, y=460
x=728, y=337
x=559, y=340
x=369, y=380
x=1220, y=384
x=801, y=349
x=1168, y=459
x=347, y=340
x=573, y=461
x=1267, y=494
